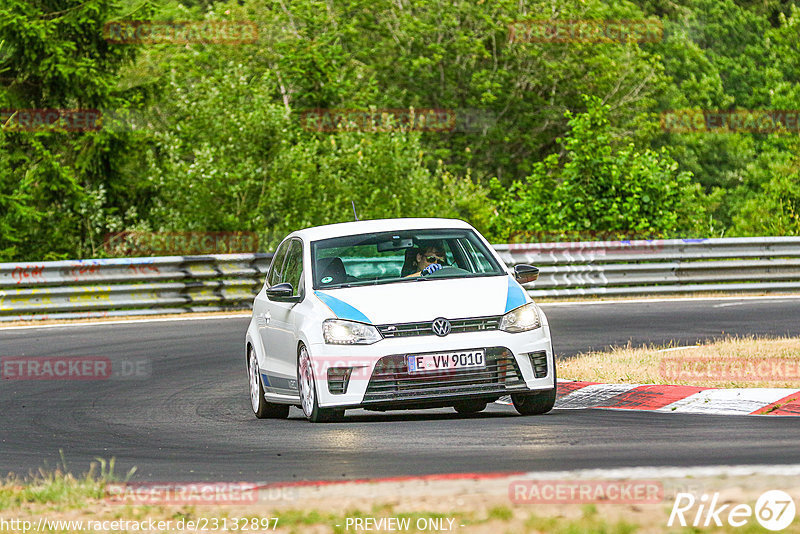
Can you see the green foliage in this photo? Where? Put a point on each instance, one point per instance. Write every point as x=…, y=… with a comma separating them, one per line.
x=600, y=185
x=458, y=55
x=776, y=210
x=236, y=160
x=208, y=137
x=725, y=55
x=54, y=56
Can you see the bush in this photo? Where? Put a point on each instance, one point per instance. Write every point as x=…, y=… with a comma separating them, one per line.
x=599, y=184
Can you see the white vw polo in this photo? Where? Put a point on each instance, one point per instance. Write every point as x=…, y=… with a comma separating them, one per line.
x=396, y=314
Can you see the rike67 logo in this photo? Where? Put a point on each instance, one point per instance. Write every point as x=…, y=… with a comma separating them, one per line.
x=774, y=510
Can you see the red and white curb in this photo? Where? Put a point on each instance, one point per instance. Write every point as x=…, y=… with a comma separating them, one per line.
x=579, y=395
x=627, y=473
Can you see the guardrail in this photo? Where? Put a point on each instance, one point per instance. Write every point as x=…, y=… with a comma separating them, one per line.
x=617, y=268
x=182, y=284
x=129, y=286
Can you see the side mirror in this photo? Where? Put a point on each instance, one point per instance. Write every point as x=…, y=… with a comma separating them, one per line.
x=525, y=273
x=280, y=292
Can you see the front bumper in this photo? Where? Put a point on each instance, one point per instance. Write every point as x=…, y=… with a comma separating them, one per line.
x=378, y=377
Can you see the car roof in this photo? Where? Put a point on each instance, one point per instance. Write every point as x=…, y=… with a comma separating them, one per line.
x=378, y=225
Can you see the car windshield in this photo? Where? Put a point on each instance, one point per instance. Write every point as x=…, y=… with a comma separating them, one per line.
x=394, y=257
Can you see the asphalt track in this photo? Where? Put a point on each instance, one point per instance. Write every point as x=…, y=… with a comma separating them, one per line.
x=190, y=419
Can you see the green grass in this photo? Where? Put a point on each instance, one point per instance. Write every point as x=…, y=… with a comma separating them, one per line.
x=501, y=513
x=589, y=522
x=58, y=487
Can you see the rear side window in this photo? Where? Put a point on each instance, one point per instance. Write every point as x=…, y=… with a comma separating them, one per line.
x=276, y=268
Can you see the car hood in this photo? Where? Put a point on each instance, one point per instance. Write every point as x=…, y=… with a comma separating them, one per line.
x=407, y=302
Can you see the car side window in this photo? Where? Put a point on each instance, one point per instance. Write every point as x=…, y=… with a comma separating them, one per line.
x=294, y=266
x=481, y=265
x=276, y=268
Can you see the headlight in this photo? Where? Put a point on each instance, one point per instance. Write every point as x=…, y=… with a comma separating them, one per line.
x=340, y=332
x=521, y=319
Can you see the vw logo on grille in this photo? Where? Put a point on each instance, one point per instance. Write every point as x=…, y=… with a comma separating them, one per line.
x=441, y=326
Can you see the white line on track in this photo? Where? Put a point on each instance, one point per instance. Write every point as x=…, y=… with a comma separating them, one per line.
x=673, y=349
x=678, y=299
x=670, y=472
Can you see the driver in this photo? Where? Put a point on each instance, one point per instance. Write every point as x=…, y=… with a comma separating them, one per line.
x=430, y=258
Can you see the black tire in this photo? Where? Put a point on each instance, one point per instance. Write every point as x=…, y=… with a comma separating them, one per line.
x=467, y=407
x=534, y=403
x=261, y=408
x=537, y=403
x=307, y=388
x=327, y=415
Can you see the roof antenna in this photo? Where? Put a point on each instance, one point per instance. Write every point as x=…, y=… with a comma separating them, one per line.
x=354, y=209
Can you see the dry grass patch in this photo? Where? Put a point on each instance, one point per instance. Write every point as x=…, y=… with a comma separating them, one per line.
x=745, y=362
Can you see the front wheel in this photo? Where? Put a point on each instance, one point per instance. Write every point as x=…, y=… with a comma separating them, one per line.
x=262, y=408
x=537, y=403
x=534, y=403
x=467, y=407
x=308, y=392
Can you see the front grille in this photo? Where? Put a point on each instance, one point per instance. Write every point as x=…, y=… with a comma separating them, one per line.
x=425, y=328
x=391, y=380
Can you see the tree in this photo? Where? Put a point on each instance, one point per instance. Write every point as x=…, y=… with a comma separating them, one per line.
x=52, y=178
x=599, y=185
x=235, y=159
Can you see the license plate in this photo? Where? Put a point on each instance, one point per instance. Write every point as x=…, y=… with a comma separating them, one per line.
x=466, y=359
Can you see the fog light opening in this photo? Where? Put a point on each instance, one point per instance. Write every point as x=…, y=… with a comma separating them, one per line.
x=339, y=379
x=539, y=364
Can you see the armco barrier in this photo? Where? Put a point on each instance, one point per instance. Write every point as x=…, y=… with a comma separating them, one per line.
x=632, y=267
x=180, y=284
x=129, y=286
